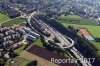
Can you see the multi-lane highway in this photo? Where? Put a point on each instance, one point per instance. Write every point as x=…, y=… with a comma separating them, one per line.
x=65, y=43
x=63, y=39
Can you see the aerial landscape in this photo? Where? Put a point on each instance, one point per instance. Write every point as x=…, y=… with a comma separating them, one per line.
x=49, y=32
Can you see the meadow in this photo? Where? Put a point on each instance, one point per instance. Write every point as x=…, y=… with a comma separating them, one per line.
x=3, y=17
x=13, y=21
x=89, y=24
x=77, y=20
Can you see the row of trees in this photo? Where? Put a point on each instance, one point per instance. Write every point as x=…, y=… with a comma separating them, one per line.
x=56, y=40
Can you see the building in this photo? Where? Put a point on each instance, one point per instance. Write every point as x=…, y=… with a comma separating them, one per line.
x=31, y=38
x=22, y=32
x=7, y=43
x=32, y=33
x=7, y=38
x=16, y=36
x=15, y=46
x=1, y=36
x=10, y=32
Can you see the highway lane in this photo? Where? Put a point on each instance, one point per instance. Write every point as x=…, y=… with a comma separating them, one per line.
x=64, y=41
x=54, y=34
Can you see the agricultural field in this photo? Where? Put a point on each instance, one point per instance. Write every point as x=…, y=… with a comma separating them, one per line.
x=3, y=18
x=13, y=21
x=77, y=20
x=93, y=29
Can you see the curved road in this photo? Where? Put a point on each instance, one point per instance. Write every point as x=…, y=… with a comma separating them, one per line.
x=64, y=40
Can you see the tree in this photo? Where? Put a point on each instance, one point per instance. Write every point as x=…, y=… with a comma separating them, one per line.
x=56, y=40
x=33, y=63
x=2, y=62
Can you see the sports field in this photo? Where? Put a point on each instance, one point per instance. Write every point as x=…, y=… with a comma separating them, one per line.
x=86, y=34
x=3, y=18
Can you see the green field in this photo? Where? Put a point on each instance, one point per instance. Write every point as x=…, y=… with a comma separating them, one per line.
x=97, y=45
x=24, y=63
x=94, y=30
x=38, y=43
x=16, y=59
x=70, y=16
x=20, y=50
x=77, y=20
x=84, y=23
x=3, y=18
x=14, y=21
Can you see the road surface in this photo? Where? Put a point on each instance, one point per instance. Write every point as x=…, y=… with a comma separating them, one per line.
x=64, y=41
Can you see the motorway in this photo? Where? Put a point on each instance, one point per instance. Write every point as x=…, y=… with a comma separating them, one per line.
x=64, y=43
x=64, y=40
